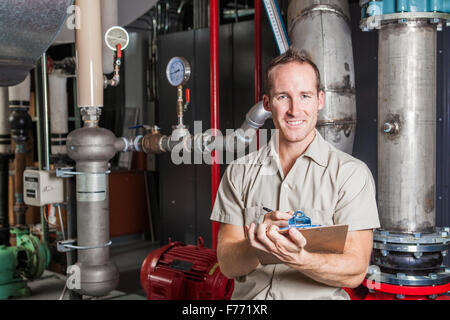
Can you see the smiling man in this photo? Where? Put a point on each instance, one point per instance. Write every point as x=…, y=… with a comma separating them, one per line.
x=297, y=170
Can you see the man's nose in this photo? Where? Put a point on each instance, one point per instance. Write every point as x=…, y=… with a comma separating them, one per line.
x=297, y=107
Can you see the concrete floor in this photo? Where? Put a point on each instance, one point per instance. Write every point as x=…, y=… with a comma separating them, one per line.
x=127, y=252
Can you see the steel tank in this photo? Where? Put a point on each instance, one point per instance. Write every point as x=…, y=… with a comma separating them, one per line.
x=92, y=148
x=407, y=126
x=322, y=29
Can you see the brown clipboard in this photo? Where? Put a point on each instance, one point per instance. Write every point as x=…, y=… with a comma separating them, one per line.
x=325, y=239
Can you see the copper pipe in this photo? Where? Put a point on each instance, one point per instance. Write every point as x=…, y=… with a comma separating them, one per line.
x=19, y=166
x=180, y=106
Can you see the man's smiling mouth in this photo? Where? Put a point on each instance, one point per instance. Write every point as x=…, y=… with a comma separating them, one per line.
x=295, y=123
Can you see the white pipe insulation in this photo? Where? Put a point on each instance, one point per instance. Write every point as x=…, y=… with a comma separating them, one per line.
x=58, y=113
x=19, y=95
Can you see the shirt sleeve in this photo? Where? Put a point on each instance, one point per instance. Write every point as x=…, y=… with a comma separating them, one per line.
x=229, y=206
x=357, y=204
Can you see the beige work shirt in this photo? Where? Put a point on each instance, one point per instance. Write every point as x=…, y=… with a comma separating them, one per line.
x=328, y=185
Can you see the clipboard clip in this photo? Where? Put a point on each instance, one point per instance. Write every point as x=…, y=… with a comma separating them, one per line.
x=299, y=220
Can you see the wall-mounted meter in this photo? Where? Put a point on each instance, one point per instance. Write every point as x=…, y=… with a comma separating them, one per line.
x=116, y=35
x=178, y=71
x=42, y=187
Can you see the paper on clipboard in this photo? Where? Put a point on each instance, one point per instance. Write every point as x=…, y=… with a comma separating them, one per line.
x=325, y=239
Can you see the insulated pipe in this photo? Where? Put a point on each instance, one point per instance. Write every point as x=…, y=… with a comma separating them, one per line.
x=322, y=29
x=5, y=145
x=214, y=102
x=407, y=126
x=88, y=46
x=58, y=113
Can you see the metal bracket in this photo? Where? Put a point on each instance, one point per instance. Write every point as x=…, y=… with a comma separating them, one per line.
x=66, y=172
x=68, y=245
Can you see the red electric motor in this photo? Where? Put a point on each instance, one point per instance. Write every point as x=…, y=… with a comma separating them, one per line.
x=178, y=271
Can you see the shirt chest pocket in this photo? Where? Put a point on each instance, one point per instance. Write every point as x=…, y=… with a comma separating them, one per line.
x=322, y=217
x=254, y=214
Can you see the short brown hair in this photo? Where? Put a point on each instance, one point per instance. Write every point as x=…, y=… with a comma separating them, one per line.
x=291, y=55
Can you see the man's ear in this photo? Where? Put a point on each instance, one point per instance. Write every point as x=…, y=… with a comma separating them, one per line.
x=266, y=104
x=321, y=99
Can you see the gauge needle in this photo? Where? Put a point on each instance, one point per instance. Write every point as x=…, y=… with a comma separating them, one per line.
x=175, y=71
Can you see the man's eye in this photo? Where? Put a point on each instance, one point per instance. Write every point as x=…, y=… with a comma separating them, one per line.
x=305, y=96
x=281, y=97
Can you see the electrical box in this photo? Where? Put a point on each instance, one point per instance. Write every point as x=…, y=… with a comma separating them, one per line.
x=42, y=187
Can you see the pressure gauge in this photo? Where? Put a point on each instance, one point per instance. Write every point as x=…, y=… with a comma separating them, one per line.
x=116, y=35
x=178, y=71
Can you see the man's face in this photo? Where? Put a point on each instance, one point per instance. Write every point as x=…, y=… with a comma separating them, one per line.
x=294, y=101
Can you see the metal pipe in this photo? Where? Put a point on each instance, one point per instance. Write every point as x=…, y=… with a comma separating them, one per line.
x=407, y=101
x=39, y=105
x=92, y=148
x=45, y=121
x=214, y=102
x=322, y=28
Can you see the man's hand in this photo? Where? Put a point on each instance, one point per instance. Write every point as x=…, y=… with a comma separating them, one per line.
x=288, y=248
x=273, y=218
x=278, y=218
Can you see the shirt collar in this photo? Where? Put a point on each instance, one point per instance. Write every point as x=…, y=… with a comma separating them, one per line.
x=317, y=150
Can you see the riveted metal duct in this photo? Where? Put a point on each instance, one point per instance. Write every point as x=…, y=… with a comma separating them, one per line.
x=322, y=29
x=27, y=29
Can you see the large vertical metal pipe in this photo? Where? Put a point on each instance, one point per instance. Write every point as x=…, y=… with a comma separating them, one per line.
x=214, y=102
x=407, y=126
x=92, y=147
x=5, y=146
x=322, y=29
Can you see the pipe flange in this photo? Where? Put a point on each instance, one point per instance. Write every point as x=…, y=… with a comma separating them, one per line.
x=432, y=279
x=410, y=247
x=375, y=21
x=441, y=235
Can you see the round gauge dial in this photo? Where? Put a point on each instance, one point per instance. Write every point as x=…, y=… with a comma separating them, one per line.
x=178, y=71
x=116, y=35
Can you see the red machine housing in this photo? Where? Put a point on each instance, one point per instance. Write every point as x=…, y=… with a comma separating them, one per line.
x=386, y=291
x=178, y=271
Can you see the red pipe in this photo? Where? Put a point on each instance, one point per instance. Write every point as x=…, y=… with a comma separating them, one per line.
x=214, y=103
x=257, y=49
